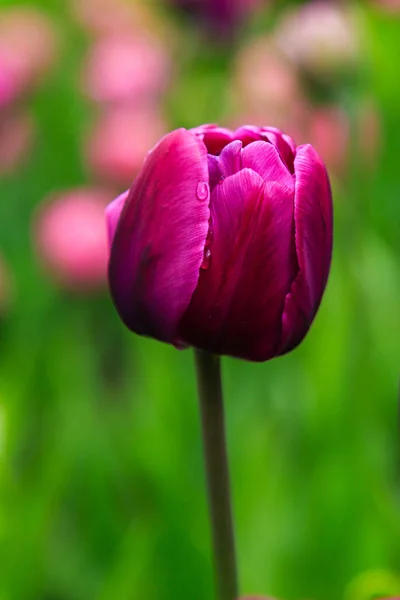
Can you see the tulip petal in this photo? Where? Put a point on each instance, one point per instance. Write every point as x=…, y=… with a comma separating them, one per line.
x=248, y=134
x=313, y=234
x=237, y=306
x=227, y=163
x=113, y=212
x=283, y=143
x=159, y=241
x=265, y=160
x=214, y=137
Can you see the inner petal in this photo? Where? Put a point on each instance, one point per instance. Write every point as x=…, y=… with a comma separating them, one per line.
x=283, y=143
x=248, y=134
x=265, y=160
x=214, y=137
x=228, y=163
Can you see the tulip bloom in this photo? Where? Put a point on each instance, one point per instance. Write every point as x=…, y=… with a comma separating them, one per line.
x=223, y=242
x=221, y=16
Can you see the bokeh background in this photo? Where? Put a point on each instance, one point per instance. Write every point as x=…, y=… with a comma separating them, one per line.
x=101, y=478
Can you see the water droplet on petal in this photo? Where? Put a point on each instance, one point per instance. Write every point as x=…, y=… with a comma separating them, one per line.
x=203, y=191
x=206, y=260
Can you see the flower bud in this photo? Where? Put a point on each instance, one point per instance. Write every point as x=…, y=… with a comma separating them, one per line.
x=70, y=238
x=223, y=242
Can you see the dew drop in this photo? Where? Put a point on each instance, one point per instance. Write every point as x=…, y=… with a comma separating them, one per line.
x=206, y=260
x=203, y=191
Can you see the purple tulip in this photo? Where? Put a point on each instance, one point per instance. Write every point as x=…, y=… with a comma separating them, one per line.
x=223, y=242
x=221, y=17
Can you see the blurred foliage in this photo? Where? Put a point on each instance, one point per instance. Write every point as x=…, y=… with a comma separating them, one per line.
x=101, y=478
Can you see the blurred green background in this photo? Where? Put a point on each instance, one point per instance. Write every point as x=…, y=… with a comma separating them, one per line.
x=101, y=477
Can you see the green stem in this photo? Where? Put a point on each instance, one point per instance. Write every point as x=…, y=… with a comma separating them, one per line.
x=216, y=464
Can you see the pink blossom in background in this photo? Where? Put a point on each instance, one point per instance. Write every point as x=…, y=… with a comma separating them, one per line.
x=104, y=17
x=329, y=132
x=8, y=85
x=6, y=287
x=28, y=47
x=119, y=142
x=131, y=69
x=265, y=84
x=390, y=6
x=17, y=132
x=321, y=37
x=71, y=240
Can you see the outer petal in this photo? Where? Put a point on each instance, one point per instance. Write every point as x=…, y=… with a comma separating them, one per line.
x=159, y=242
x=113, y=212
x=238, y=303
x=313, y=234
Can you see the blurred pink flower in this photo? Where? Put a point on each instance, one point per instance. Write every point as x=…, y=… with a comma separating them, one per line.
x=265, y=84
x=6, y=287
x=328, y=129
x=391, y=6
x=126, y=69
x=321, y=37
x=70, y=238
x=27, y=48
x=119, y=142
x=17, y=132
x=113, y=16
x=8, y=85
x=329, y=133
